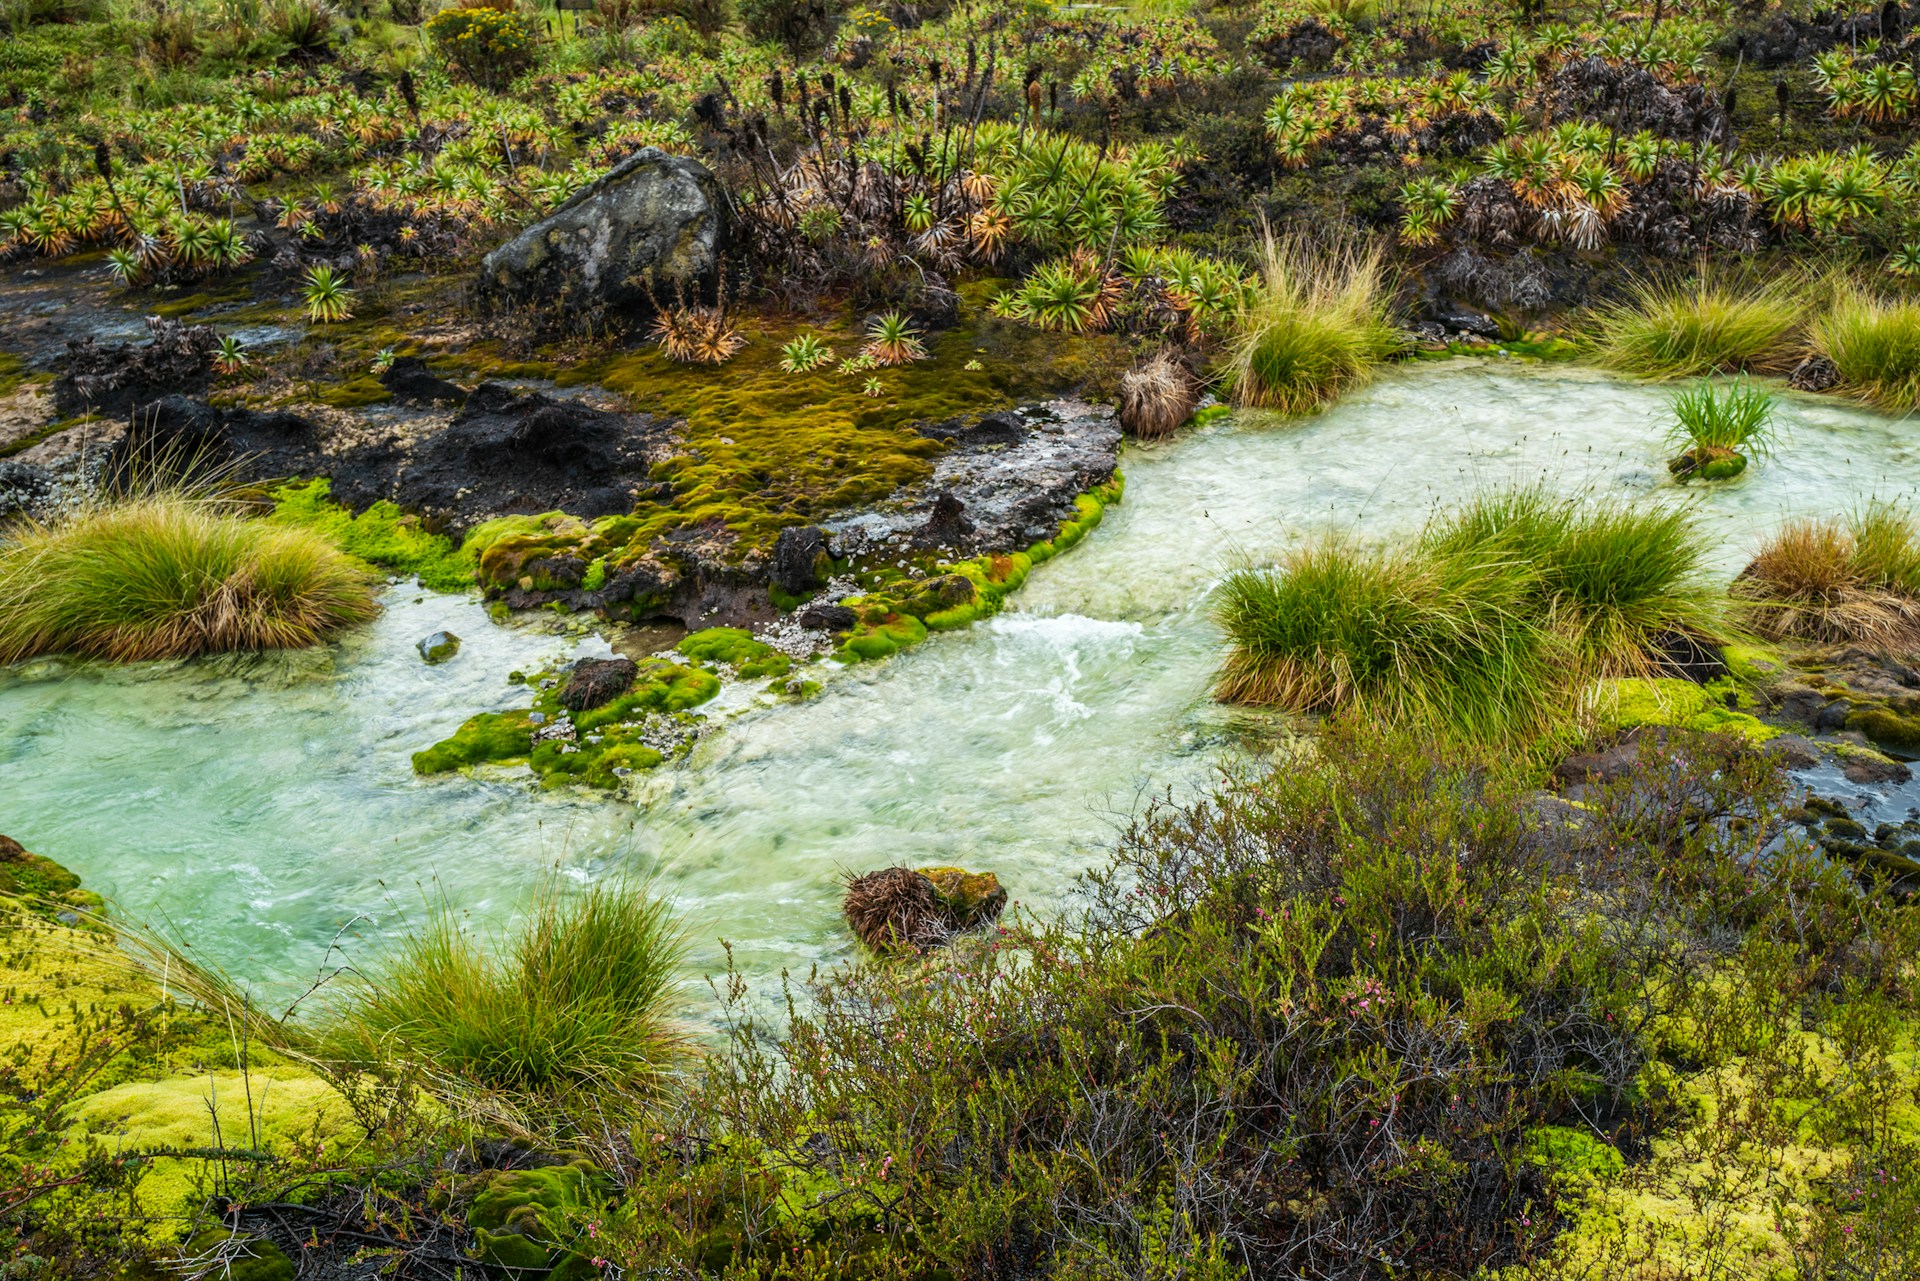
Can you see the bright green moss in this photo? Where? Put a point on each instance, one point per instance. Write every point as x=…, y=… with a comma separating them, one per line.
x=736, y=648
x=730, y=645
x=661, y=686
x=1573, y=1155
x=899, y=611
x=526, y=1220
x=488, y=737
x=1680, y=704
x=382, y=535
x=606, y=739
x=356, y=393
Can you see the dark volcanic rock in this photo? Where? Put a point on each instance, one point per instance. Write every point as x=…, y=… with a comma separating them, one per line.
x=828, y=618
x=111, y=380
x=654, y=225
x=174, y=430
x=506, y=452
x=1013, y=474
x=596, y=682
x=947, y=524
x=799, y=556
x=411, y=383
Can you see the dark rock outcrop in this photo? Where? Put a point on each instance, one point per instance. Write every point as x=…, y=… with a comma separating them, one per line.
x=1006, y=482
x=800, y=556
x=176, y=429
x=112, y=379
x=412, y=383
x=828, y=618
x=654, y=226
x=507, y=452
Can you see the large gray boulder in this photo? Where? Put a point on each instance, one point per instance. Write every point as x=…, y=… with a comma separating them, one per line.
x=654, y=222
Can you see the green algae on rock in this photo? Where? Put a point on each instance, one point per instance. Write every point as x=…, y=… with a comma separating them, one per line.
x=900, y=609
x=596, y=747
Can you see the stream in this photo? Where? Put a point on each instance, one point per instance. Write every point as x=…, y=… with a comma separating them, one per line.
x=260, y=805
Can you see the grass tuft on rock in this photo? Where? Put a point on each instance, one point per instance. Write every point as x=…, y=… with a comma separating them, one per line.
x=567, y=1012
x=1682, y=329
x=1719, y=419
x=171, y=574
x=1317, y=325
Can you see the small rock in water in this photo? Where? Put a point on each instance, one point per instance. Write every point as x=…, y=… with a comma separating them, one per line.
x=439, y=647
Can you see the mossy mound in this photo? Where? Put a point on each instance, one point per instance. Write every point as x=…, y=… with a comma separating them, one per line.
x=596, y=748
x=41, y=885
x=172, y=1121
x=382, y=535
x=736, y=648
x=524, y=1220
x=1678, y=704
x=902, y=606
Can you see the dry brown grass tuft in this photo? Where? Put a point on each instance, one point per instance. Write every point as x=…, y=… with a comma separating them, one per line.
x=1157, y=396
x=895, y=908
x=1836, y=582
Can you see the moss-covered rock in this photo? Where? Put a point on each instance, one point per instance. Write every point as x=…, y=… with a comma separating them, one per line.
x=1898, y=730
x=497, y=737
x=594, y=747
x=1679, y=704
x=40, y=884
x=524, y=1219
x=969, y=898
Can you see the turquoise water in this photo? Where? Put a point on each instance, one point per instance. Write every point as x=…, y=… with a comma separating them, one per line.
x=263, y=805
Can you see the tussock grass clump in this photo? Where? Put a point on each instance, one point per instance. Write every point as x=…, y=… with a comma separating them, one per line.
x=568, y=1011
x=1486, y=624
x=1612, y=584
x=1875, y=344
x=1679, y=329
x=171, y=575
x=1317, y=325
x=1157, y=396
x=1838, y=581
x=1399, y=636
